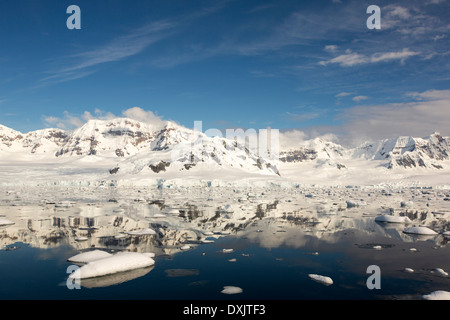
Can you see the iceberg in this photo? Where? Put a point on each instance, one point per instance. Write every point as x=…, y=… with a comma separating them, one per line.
x=89, y=256
x=143, y=232
x=420, y=230
x=5, y=222
x=231, y=290
x=392, y=219
x=441, y=272
x=120, y=262
x=437, y=295
x=322, y=279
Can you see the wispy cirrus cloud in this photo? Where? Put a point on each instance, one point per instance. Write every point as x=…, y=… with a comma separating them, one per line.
x=351, y=59
x=129, y=44
x=83, y=64
x=360, y=98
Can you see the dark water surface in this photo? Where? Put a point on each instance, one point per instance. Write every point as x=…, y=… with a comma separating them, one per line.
x=262, y=273
x=276, y=245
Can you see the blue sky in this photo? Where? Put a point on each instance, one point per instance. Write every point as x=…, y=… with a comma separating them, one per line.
x=310, y=66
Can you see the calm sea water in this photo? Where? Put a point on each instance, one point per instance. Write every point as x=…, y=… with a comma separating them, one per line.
x=275, y=249
x=279, y=272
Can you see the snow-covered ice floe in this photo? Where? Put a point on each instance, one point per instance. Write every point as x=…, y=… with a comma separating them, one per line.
x=441, y=272
x=322, y=279
x=89, y=256
x=5, y=222
x=392, y=219
x=437, y=295
x=143, y=232
x=120, y=262
x=420, y=231
x=231, y=290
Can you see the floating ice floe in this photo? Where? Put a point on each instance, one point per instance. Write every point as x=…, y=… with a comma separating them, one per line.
x=142, y=232
x=89, y=256
x=441, y=272
x=5, y=222
x=392, y=219
x=231, y=290
x=437, y=295
x=120, y=262
x=322, y=279
x=420, y=231
x=352, y=204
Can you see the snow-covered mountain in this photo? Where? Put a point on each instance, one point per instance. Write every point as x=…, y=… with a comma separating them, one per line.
x=317, y=150
x=126, y=148
x=135, y=147
x=408, y=152
x=403, y=152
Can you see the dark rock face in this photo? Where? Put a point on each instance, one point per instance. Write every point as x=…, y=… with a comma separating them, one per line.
x=159, y=167
x=114, y=171
x=298, y=155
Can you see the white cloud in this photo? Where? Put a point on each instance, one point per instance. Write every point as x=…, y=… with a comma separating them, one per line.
x=70, y=121
x=387, y=56
x=142, y=115
x=427, y=114
x=351, y=59
x=359, y=98
x=346, y=60
x=430, y=95
x=343, y=94
x=331, y=48
x=291, y=139
x=80, y=65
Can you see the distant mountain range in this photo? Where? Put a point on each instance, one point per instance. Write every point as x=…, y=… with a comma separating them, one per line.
x=403, y=151
x=137, y=147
